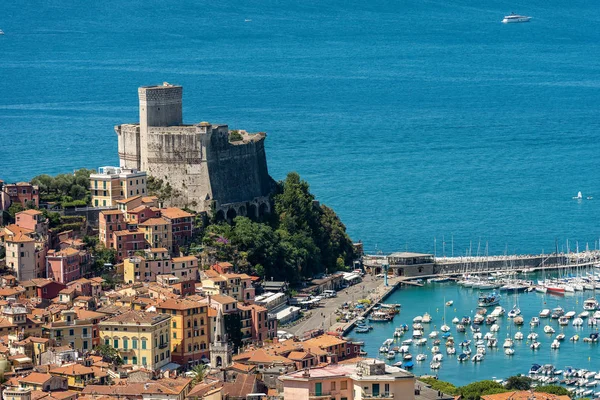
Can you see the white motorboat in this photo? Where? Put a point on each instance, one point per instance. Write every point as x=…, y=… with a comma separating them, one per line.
x=477, y=357
x=445, y=328
x=555, y=344
x=560, y=337
x=545, y=313
x=535, y=345
x=449, y=303
x=417, y=334
x=435, y=349
x=591, y=304
x=477, y=335
x=514, y=312
x=435, y=365
x=455, y=320
x=398, y=332
x=584, y=314
x=438, y=357
x=421, y=342
x=1, y=32
x=577, y=322
x=514, y=18
x=534, y=321
x=391, y=354
x=421, y=357
x=548, y=329
x=450, y=350
x=574, y=338
x=433, y=334
x=407, y=342
x=563, y=321
x=509, y=351
x=492, y=343
x=404, y=349
x=426, y=318
x=532, y=336
x=495, y=328
x=570, y=314
x=407, y=357
x=498, y=312
x=508, y=343
x=519, y=336
x=418, y=319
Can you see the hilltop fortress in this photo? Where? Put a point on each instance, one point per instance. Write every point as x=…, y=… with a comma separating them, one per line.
x=207, y=171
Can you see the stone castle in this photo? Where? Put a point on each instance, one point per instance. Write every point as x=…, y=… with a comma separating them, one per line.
x=206, y=170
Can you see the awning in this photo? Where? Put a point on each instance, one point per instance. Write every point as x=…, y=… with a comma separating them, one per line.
x=170, y=367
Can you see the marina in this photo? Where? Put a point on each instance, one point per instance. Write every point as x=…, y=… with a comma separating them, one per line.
x=518, y=328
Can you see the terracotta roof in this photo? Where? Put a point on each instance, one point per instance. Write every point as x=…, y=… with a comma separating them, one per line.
x=149, y=199
x=155, y=221
x=30, y=212
x=523, y=395
x=56, y=394
x=86, y=314
x=178, y=304
x=128, y=200
x=36, y=378
x=242, y=367
x=243, y=386
x=223, y=299
x=161, y=386
x=19, y=238
x=127, y=232
x=111, y=212
x=135, y=317
x=184, y=259
x=174, y=212
x=72, y=370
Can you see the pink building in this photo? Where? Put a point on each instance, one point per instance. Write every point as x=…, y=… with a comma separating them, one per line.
x=33, y=220
x=110, y=221
x=21, y=192
x=260, y=323
x=141, y=214
x=182, y=222
x=128, y=242
x=63, y=266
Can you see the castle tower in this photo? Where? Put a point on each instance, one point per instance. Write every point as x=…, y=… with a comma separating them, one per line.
x=160, y=106
x=220, y=351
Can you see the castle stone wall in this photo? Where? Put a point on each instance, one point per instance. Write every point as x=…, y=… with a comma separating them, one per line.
x=129, y=145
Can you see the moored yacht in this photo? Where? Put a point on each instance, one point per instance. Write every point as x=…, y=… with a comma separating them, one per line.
x=513, y=18
x=590, y=304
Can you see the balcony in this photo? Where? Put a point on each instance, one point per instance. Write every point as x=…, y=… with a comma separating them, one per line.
x=381, y=395
x=320, y=395
x=86, y=335
x=163, y=345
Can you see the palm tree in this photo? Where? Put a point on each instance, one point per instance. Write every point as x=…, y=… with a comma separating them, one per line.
x=199, y=372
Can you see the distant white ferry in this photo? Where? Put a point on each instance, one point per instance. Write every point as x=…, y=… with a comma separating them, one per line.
x=1, y=32
x=512, y=18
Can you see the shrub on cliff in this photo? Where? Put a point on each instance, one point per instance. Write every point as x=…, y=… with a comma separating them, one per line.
x=301, y=239
x=65, y=188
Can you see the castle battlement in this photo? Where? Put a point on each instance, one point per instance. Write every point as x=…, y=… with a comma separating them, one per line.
x=207, y=171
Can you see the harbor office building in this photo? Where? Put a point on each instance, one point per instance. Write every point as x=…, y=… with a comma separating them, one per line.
x=410, y=264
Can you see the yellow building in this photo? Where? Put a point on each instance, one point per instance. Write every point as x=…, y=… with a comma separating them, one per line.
x=158, y=232
x=142, y=338
x=79, y=332
x=112, y=183
x=189, y=330
x=79, y=376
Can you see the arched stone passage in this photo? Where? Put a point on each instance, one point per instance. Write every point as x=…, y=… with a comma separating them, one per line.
x=231, y=214
x=263, y=209
x=220, y=216
x=242, y=211
x=252, y=211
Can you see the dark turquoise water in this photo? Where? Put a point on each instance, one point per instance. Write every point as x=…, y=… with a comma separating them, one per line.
x=415, y=120
x=431, y=299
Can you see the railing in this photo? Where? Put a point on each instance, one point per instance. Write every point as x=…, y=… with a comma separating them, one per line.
x=315, y=395
x=86, y=336
x=163, y=345
x=384, y=395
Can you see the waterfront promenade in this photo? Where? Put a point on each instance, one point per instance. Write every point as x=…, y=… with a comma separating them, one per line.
x=324, y=317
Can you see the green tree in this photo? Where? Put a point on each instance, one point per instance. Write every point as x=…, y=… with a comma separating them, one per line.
x=443, y=386
x=53, y=218
x=200, y=371
x=103, y=256
x=14, y=209
x=475, y=390
x=2, y=252
x=233, y=328
x=43, y=182
x=518, y=382
x=553, y=389
x=109, y=354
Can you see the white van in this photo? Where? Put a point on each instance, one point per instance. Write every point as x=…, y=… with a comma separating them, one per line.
x=329, y=293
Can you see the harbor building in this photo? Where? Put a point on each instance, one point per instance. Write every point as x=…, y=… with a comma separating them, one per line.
x=209, y=167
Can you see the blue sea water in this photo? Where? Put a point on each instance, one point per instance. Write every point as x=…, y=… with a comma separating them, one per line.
x=496, y=365
x=415, y=120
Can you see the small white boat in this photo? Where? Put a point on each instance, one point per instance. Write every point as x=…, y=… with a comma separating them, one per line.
x=578, y=197
x=508, y=343
x=570, y=314
x=548, y=329
x=417, y=334
x=574, y=338
x=577, y=322
x=398, y=332
x=509, y=351
x=477, y=357
x=514, y=18
x=407, y=342
x=421, y=342
x=418, y=319
x=421, y=357
x=584, y=314
x=563, y=321
x=438, y=357
x=1, y=32
x=591, y=304
x=519, y=336
x=455, y=320
x=555, y=344
x=495, y=328
x=450, y=350
x=493, y=342
x=445, y=328
x=426, y=318
x=435, y=349
x=391, y=354
x=535, y=345
x=534, y=321
x=449, y=303
x=433, y=334
x=407, y=357
x=435, y=365
x=497, y=312
x=514, y=312
x=477, y=335
x=532, y=336
x=545, y=313
x=404, y=349
x=560, y=337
